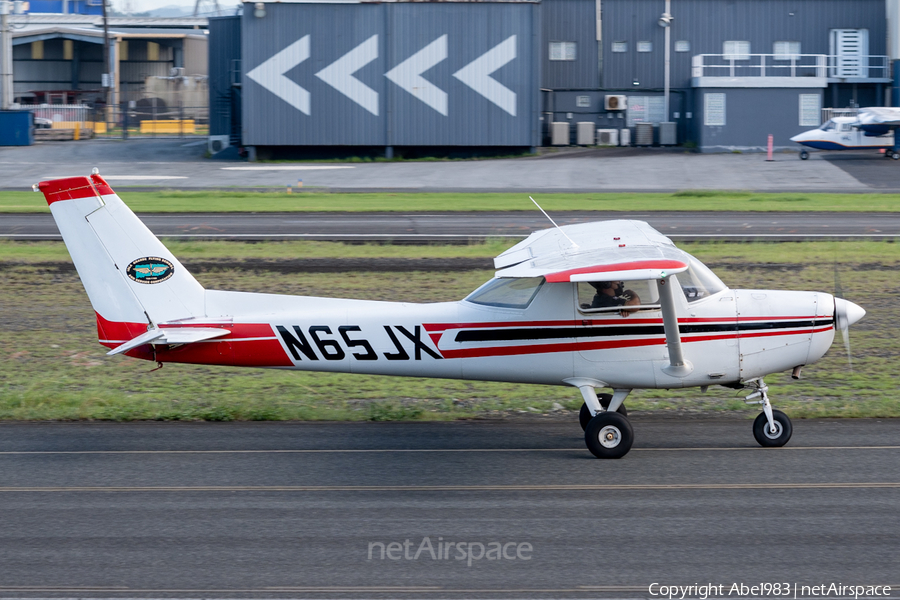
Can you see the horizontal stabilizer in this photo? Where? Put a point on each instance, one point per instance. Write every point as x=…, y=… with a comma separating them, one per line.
x=170, y=335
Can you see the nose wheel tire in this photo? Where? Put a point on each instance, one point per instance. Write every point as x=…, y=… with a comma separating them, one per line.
x=609, y=435
x=584, y=415
x=804, y=155
x=772, y=439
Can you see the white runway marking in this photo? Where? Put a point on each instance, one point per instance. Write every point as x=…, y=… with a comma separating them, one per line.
x=287, y=168
x=433, y=450
x=612, y=487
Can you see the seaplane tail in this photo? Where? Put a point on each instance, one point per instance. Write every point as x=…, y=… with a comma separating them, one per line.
x=131, y=296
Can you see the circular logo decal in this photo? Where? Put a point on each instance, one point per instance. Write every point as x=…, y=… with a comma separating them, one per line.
x=151, y=269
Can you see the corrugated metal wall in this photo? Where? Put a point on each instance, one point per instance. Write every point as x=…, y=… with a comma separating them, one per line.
x=393, y=74
x=224, y=50
x=570, y=21
x=750, y=116
x=706, y=24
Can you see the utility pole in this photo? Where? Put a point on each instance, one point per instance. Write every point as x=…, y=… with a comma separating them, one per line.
x=106, y=70
x=6, y=72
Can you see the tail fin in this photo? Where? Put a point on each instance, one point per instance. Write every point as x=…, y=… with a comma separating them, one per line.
x=129, y=276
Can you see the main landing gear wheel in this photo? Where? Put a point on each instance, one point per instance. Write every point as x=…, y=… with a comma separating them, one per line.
x=609, y=435
x=584, y=415
x=804, y=155
x=895, y=155
x=772, y=439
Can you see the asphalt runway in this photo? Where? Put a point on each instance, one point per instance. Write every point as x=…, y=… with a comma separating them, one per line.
x=464, y=226
x=291, y=510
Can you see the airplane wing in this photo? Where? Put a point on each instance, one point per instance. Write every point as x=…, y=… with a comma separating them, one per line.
x=881, y=115
x=170, y=335
x=607, y=251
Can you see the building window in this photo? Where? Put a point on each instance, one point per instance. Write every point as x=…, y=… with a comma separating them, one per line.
x=645, y=46
x=810, y=110
x=620, y=47
x=682, y=46
x=736, y=50
x=152, y=51
x=562, y=50
x=37, y=50
x=786, y=50
x=68, y=49
x=123, y=50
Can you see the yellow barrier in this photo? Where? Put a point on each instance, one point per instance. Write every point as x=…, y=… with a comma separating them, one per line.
x=185, y=126
x=95, y=127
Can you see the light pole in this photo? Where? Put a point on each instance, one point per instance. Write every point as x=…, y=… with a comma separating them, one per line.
x=6, y=75
x=665, y=21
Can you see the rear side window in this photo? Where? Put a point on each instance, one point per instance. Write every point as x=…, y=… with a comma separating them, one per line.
x=507, y=293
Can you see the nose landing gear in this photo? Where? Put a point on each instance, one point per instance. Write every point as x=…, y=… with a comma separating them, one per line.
x=804, y=155
x=772, y=428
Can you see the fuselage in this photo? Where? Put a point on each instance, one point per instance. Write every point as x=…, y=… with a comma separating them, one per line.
x=843, y=133
x=730, y=336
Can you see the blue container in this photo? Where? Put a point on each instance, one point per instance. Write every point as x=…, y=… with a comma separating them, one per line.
x=16, y=128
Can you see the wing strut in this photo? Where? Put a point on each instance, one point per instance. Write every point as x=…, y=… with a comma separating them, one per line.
x=678, y=365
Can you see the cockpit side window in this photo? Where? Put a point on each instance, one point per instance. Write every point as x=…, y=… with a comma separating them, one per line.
x=827, y=126
x=507, y=292
x=612, y=296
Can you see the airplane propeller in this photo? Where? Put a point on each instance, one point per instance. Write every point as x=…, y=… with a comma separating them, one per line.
x=845, y=314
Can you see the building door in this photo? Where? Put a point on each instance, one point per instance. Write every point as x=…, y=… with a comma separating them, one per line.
x=849, y=53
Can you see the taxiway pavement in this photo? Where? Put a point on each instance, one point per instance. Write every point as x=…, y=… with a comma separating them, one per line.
x=290, y=510
x=178, y=164
x=438, y=226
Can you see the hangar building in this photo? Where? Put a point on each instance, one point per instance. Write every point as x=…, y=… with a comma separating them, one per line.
x=523, y=73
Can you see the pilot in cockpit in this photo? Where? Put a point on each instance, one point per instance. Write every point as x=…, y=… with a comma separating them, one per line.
x=612, y=293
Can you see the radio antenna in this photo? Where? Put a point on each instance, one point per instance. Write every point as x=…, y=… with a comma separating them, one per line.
x=552, y=221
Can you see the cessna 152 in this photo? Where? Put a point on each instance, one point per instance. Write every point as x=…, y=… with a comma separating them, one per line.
x=554, y=314
x=871, y=129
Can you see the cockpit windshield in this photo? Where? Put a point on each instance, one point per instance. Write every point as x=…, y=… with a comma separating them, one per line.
x=827, y=126
x=699, y=281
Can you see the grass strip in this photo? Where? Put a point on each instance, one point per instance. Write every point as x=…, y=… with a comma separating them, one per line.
x=170, y=201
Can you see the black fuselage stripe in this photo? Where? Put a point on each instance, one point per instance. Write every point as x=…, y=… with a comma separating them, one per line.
x=557, y=333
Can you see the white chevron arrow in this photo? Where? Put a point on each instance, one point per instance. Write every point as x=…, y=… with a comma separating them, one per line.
x=477, y=75
x=270, y=74
x=408, y=75
x=339, y=75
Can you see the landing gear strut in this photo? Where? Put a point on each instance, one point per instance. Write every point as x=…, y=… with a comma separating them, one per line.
x=772, y=428
x=585, y=416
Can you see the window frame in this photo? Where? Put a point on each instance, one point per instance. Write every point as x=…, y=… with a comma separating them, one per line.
x=736, y=53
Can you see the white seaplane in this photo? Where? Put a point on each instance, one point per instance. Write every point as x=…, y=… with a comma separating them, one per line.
x=557, y=313
x=871, y=129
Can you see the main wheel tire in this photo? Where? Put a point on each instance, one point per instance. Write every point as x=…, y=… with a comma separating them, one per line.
x=804, y=155
x=895, y=155
x=585, y=416
x=609, y=435
x=770, y=439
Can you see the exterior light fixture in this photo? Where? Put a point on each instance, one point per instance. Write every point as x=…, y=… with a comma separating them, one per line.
x=259, y=10
x=665, y=20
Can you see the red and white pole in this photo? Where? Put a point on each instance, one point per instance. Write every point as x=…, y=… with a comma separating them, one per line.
x=771, y=141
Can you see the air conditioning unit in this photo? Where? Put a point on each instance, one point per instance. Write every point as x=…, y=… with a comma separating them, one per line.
x=607, y=137
x=616, y=102
x=217, y=143
x=643, y=134
x=668, y=133
x=585, y=133
x=559, y=133
x=625, y=137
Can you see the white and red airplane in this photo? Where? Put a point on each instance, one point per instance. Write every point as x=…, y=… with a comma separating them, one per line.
x=555, y=314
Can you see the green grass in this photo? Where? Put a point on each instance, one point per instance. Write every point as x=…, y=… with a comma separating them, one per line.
x=53, y=368
x=309, y=200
